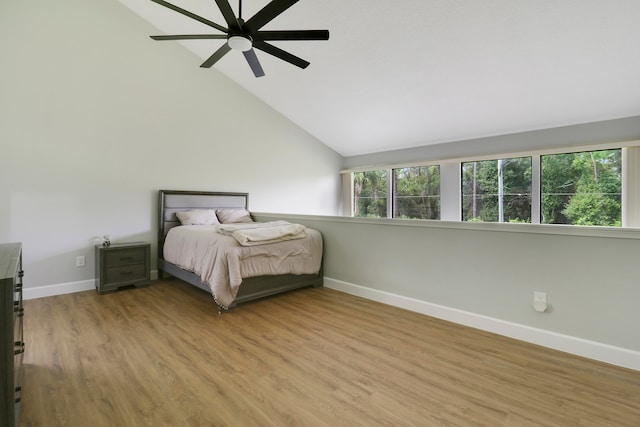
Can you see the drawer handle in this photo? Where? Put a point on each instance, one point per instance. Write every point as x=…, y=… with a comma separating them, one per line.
x=18, y=287
x=21, y=273
x=18, y=347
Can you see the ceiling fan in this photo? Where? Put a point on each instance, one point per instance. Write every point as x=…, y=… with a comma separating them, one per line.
x=244, y=36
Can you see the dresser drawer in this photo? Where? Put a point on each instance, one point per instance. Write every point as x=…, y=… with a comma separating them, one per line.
x=17, y=330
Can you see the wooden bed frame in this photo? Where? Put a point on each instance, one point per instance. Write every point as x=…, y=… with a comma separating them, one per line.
x=170, y=202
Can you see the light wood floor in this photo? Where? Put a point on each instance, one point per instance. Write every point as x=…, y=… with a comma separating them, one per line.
x=163, y=356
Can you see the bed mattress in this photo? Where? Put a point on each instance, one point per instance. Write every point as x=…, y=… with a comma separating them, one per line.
x=221, y=262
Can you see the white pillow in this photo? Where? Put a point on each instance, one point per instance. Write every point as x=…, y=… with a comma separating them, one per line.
x=233, y=216
x=198, y=217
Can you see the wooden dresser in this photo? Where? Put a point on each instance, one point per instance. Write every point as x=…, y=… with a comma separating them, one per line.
x=11, y=338
x=122, y=264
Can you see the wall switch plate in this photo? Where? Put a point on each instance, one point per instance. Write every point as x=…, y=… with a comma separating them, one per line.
x=80, y=261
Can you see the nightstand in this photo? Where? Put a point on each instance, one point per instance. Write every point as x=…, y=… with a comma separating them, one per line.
x=122, y=264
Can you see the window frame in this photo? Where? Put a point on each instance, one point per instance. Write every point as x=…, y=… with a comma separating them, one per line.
x=393, y=194
x=574, y=153
x=390, y=194
x=498, y=161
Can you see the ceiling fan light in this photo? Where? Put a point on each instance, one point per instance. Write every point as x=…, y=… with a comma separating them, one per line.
x=239, y=43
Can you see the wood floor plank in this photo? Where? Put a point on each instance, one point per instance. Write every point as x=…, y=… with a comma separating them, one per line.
x=163, y=356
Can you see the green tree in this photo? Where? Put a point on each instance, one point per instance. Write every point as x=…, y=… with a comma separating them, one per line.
x=558, y=184
x=598, y=189
x=416, y=192
x=370, y=193
x=582, y=188
x=482, y=199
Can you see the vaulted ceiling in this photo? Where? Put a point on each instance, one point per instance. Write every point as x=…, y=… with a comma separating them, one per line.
x=399, y=74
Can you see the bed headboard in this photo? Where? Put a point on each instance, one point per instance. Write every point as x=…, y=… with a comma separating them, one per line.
x=171, y=201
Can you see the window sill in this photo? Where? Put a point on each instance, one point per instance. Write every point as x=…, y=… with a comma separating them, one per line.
x=555, y=229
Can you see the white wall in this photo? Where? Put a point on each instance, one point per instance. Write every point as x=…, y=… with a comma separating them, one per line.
x=95, y=117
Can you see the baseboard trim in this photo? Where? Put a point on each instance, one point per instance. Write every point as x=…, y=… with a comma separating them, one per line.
x=64, y=288
x=593, y=350
x=57, y=289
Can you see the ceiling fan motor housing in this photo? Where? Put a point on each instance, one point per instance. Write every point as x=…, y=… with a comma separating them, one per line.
x=240, y=42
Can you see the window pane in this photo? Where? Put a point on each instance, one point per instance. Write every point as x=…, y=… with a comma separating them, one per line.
x=416, y=192
x=370, y=194
x=582, y=188
x=497, y=190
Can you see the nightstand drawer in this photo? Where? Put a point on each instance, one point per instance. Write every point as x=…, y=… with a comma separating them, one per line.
x=125, y=257
x=117, y=275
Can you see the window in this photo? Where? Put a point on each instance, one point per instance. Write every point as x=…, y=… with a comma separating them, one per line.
x=416, y=192
x=598, y=187
x=497, y=190
x=582, y=188
x=370, y=193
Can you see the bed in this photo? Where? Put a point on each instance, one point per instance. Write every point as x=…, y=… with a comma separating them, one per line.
x=172, y=202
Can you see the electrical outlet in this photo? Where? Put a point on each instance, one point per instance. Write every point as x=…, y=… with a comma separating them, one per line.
x=540, y=297
x=80, y=261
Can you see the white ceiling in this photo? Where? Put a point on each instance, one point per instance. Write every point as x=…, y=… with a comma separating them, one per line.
x=399, y=74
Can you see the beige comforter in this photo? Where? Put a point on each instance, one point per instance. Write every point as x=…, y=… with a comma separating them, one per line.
x=263, y=233
x=221, y=262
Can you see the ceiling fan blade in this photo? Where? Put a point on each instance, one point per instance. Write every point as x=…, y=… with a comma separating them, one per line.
x=191, y=37
x=228, y=14
x=216, y=56
x=292, y=35
x=252, y=59
x=267, y=13
x=191, y=15
x=279, y=53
